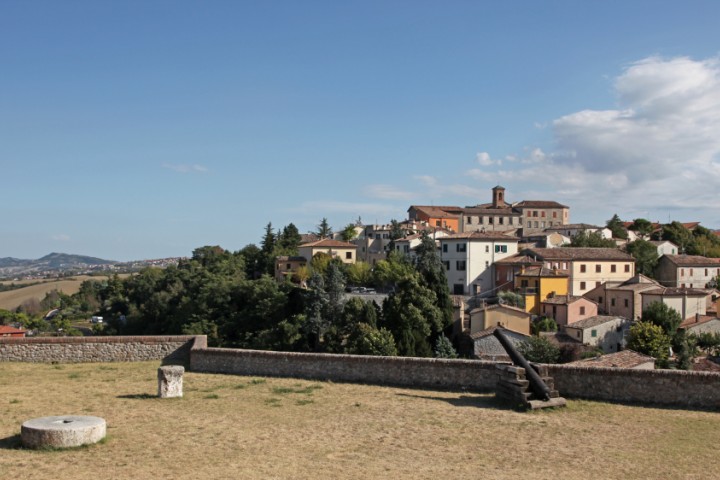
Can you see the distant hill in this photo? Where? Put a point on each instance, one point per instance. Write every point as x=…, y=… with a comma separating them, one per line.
x=14, y=262
x=57, y=260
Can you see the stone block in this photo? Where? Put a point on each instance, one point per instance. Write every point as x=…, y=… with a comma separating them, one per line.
x=170, y=381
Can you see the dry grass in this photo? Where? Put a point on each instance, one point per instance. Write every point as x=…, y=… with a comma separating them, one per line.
x=241, y=427
x=12, y=299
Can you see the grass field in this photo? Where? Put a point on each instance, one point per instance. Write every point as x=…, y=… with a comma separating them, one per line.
x=12, y=299
x=240, y=427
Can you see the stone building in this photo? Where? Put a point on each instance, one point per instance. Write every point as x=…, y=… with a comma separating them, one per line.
x=691, y=271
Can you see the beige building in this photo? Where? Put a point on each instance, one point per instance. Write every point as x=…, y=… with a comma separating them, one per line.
x=505, y=316
x=687, y=302
x=287, y=266
x=587, y=267
x=622, y=298
x=336, y=249
x=602, y=331
x=691, y=271
x=567, y=309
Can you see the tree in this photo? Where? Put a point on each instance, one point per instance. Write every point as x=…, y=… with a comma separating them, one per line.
x=544, y=324
x=592, y=240
x=432, y=272
x=396, y=233
x=367, y=340
x=645, y=255
x=676, y=233
x=663, y=316
x=289, y=239
x=642, y=227
x=324, y=230
x=389, y=272
x=444, y=348
x=348, y=232
x=513, y=299
x=650, y=339
x=616, y=227
x=539, y=349
x=359, y=273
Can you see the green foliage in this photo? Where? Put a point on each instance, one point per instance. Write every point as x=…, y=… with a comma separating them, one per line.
x=324, y=230
x=368, y=340
x=708, y=342
x=432, y=273
x=289, y=239
x=390, y=272
x=444, y=348
x=642, y=227
x=663, y=316
x=686, y=348
x=512, y=299
x=645, y=255
x=544, y=324
x=592, y=240
x=539, y=350
x=676, y=233
x=650, y=339
x=616, y=227
x=348, y=232
x=359, y=273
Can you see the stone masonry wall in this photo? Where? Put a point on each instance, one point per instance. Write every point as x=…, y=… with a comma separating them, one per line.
x=170, y=349
x=401, y=371
x=659, y=387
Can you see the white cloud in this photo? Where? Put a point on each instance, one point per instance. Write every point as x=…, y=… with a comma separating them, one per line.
x=427, y=180
x=185, y=168
x=484, y=159
x=387, y=192
x=659, y=150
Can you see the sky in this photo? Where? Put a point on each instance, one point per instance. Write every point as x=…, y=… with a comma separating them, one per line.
x=145, y=129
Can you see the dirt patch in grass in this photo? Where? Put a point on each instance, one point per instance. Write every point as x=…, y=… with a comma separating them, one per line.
x=241, y=427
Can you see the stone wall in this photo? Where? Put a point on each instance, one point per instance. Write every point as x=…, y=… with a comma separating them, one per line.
x=401, y=371
x=657, y=387
x=169, y=349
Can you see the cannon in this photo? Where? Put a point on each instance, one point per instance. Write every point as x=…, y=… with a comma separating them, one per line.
x=538, y=387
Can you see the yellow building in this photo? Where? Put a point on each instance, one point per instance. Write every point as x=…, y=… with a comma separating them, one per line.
x=345, y=251
x=536, y=284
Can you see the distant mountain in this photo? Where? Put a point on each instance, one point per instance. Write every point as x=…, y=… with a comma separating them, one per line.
x=57, y=260
x=13, y=262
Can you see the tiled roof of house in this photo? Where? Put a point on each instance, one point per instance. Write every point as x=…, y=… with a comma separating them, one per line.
x=677, y=292
x=328, y=243
x=563, y=299
x=574, y=226
x=540, y=271
x=592, y=321
x=692, y=260
x=497, y=305
x=539, y=204
x=437, y=211
x=6, y=330
x=623, y=359
x=491, y=210
x=489, y=331
x=480, y=236
x=697, y=320
x=574, y=254
x=518, y=260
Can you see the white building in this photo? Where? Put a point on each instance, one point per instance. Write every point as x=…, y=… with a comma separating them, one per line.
x=469, y=257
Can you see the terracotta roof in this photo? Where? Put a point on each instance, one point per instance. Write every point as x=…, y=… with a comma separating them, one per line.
x=593, y=321
x=327, y=242
x=490, y=209
x=498, y=305
x=691, y=260
x=6, y=330
x=575, y=226
x=480, y=236
x=697, y=320
x=572, y=254
x=438, y=211
x=489, y=331
x=563, y=299
x=539, y=204
x=623, y=359
x=676, y=291
x=542, y=272
x=519, y=260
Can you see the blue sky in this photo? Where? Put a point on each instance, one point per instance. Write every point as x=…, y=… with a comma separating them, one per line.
x=145, y=129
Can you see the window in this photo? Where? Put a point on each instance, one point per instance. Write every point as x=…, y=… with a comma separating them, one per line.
x=287, y=267
x=469, y=220
x=582, y=285
x=529, y=224
x=446, y=264
x=627, y=268
x=554, y=214
x=487, y=248
x=613, y=268
x=593, y=333
x=437, y=223
x=491, y=220
x=706, y=272
x=487, y=264
x=612, y=302
x=406, y=248
x=523, y=283
x=583, y=268
x=460, y=247
x=542, y=224
x=481, y=220
x=534, y=213
x=460, y=265
x=598, y=268
x=600, y=299
x=370, y=235
x=500, y=248
x=682, y=272
x=536, y=224
x=627, y=303
x=582, y=310
x=691, y=272
x=444, y=247
x=501, y=220
x=542, y=214
x=348, y=255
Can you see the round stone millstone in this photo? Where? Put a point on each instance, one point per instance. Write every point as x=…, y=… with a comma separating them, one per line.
x=62, y=431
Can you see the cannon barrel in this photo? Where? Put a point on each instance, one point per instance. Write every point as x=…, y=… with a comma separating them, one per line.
x=538, y=387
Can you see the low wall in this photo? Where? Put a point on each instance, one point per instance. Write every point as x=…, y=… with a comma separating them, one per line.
x=400, y=371
x=169, y=349
x=676, y=388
